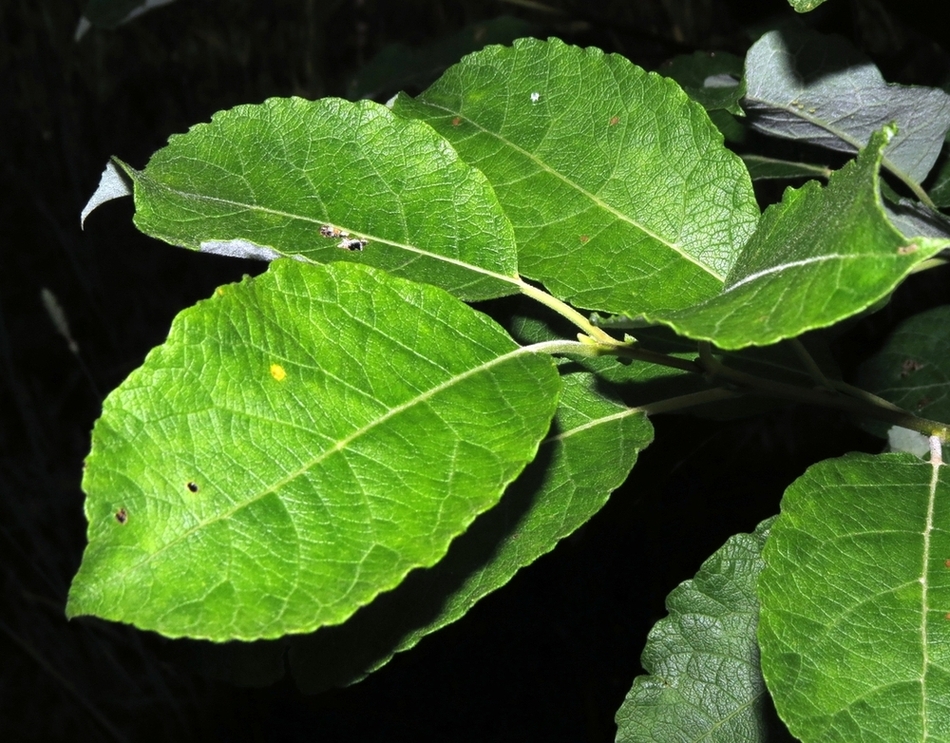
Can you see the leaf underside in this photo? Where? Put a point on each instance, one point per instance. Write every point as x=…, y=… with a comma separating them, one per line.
x=819, y=89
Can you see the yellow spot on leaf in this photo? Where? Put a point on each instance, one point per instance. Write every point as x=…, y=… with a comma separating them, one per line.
x=277, y=372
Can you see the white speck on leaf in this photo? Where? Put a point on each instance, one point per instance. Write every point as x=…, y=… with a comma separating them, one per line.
x=535, y=97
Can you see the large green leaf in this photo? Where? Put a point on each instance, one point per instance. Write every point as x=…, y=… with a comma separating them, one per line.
x=703, y=659
x=820, y=256
x=621, y=193
x=589, y=451
x=269, y=180
x=855, y=622
x=298, y=445
x=912, y=369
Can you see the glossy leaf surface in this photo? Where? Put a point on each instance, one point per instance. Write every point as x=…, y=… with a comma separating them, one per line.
x=299, y=444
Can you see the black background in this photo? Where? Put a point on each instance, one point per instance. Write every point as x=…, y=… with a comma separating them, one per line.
x=551, y=656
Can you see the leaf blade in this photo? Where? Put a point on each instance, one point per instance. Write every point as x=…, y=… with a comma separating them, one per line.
x=703, y=660
x=261, y=465
x=589, y=451
x=854, y=595
x=821, y=255
x=295, y=178
x=617, y=184
x=911, y=370
x=806, y=86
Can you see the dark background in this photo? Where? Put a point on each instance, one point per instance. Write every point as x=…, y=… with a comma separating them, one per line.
x=551, y=656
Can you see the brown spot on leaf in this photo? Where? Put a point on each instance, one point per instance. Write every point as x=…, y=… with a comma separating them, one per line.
x=121, y=515
x=585, y=238
x=907, y=249
x=614, y=120
x=456, y=121
x=923, y=403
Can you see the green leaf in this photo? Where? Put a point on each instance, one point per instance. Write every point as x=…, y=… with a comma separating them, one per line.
x=819, y=257
x=590, y=449
x=855, y=622
x=267, y=180
x=733, y=131
x=621, y=193
x=299, y=444
x=712, y=79
x=912, y=369
x=819, y=89
x=703, y=659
